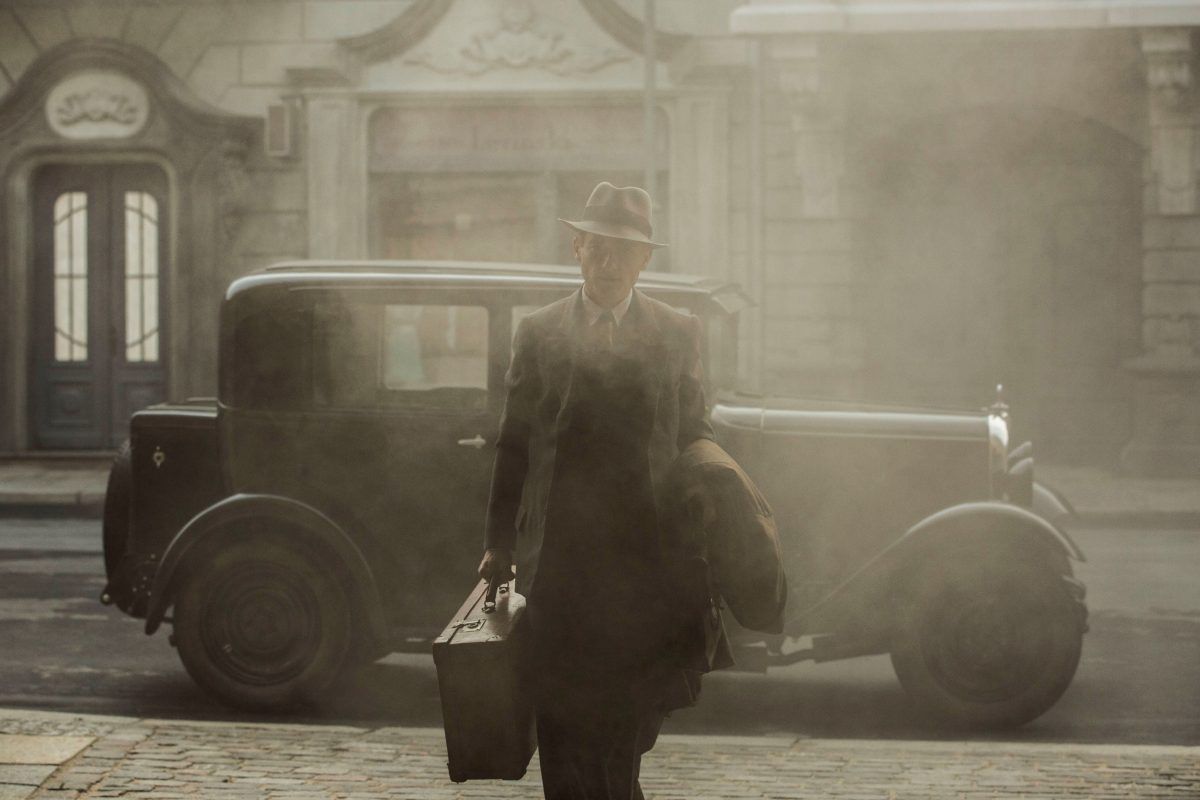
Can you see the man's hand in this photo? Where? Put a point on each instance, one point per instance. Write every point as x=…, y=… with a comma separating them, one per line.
x=498, y=562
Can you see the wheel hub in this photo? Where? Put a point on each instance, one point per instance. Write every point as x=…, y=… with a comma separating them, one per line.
x=979, y=648
x=266, y=626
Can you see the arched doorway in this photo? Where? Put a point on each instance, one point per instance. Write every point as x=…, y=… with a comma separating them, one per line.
x=1003, y=247
x=105, y=255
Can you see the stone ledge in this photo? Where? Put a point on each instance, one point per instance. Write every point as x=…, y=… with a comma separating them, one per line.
x=829, y=17
x=1170, y=364
x=1154, y=458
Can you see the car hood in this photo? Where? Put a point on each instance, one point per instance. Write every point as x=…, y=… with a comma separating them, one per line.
x=782, y=416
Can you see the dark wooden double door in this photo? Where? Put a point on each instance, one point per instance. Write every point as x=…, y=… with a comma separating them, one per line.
x=99, y=310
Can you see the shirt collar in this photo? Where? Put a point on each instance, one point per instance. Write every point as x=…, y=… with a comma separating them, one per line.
x=593, y=310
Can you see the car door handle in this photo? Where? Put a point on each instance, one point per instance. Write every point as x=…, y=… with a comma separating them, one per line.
x=478, y=442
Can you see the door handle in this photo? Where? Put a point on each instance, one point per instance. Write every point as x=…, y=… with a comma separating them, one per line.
x=478, y=442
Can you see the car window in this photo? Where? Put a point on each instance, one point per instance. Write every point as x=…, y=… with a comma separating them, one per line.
x=434, y=347
x=722, y=347
x=429, y=356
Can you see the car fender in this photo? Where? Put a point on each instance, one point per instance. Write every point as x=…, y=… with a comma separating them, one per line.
x=212, y=520
x=877, y=580
x=1051, y=505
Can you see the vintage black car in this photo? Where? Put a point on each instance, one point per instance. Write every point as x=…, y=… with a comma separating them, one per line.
x=327, y=507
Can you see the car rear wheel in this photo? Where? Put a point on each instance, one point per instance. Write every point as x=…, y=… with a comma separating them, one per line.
x=988, y=644
x=262, y=626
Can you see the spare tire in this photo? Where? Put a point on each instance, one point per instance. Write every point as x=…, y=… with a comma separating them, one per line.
x=118, y=498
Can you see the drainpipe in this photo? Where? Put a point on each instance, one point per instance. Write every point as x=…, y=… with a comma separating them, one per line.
x=756, y=210
x=650, y=59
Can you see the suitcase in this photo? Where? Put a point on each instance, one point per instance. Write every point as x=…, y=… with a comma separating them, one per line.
x=487, y=712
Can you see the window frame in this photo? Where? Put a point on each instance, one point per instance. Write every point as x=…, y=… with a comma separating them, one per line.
x=496, y=328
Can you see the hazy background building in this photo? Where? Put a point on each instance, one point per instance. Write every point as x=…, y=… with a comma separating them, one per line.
x=925, y=199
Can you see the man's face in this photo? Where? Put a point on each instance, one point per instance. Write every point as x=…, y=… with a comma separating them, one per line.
x=610, y=266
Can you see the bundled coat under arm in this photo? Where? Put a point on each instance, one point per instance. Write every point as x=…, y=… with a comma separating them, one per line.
x=739, y=536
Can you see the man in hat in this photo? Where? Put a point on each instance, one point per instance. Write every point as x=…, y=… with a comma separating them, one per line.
x=604, y=390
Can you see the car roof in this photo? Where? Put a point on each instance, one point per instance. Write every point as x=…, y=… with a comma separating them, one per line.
x=311, y=273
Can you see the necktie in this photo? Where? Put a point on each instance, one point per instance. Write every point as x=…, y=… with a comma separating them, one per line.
x=603, y=327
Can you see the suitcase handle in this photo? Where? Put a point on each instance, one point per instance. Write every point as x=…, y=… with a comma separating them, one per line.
x=489, y=600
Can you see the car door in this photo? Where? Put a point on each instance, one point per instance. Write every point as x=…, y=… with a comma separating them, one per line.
x=406, y=403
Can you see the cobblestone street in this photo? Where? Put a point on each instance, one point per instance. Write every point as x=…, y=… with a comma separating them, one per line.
x=48, y=755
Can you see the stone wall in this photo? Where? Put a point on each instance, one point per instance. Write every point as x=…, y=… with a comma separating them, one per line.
x=946, y=212
x=810, y=237
x=1166, y=437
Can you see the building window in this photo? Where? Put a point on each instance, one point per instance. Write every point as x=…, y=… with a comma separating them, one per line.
x=70, y=277
x=141, y=277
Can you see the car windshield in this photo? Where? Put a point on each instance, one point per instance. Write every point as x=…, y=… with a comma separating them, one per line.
x=721, y=341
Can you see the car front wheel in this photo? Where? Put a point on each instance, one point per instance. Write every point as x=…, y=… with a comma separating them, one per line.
x=989, y=644
x=261, y=626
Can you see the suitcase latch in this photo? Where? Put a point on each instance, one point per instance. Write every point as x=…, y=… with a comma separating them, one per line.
x=469, y=624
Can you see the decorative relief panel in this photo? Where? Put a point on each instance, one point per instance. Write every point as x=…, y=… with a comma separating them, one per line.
x=1169, y=53
x=97, y=105
x=516, y=36
x=808, y=78
x=233, y=190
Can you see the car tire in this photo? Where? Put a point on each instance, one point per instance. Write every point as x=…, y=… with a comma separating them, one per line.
x=262, y=625
x=990, y=644
x=118, y=496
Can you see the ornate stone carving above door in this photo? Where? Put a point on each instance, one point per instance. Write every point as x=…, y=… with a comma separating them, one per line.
x=97, y=104
x=517, y=37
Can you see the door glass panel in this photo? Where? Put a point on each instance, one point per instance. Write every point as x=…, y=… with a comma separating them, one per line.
x=141, y=277
x=70, y=277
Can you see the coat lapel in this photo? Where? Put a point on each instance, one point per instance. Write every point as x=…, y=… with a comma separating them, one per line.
x=639, y=338
x=640, y=331
x=555, y=356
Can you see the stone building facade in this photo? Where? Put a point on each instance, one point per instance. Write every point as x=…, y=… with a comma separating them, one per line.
x=925, y=199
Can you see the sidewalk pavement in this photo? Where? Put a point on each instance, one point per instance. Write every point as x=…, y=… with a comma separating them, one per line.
x=72, y=487
x=1100, y=497
x=76, y=488
x=61, y=755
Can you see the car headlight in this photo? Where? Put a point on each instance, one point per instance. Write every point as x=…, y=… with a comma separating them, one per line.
x=997, y=453
x=1018, y=484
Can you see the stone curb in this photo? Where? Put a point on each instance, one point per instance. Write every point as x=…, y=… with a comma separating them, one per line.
x=95, y=722
x=72, y=505
x=1167, y=520
x=124, y=755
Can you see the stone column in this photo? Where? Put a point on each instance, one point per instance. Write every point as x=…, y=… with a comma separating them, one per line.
x=549, y=229
x=1166, y=437
x=699, y=234
x=814, y=334
x=337, y=177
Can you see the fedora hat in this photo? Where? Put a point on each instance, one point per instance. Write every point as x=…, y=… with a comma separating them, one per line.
x=620, y=212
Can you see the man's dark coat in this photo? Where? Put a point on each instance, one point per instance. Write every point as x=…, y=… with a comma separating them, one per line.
x=585, y=443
